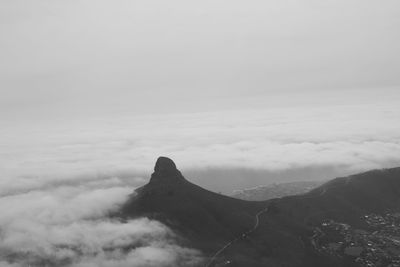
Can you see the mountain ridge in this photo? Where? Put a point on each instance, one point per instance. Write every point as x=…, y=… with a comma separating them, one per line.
x=275, y=190
x=208, y=221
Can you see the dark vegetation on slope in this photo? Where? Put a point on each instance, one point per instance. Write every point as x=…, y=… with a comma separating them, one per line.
x=209, y=220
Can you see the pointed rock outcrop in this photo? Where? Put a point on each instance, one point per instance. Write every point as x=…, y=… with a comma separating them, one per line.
x=165, y=171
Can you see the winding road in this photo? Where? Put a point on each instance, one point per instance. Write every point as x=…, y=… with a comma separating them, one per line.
x=243, y=235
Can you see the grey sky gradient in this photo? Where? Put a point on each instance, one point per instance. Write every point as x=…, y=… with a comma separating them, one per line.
x=107, y=86
x=88, y=57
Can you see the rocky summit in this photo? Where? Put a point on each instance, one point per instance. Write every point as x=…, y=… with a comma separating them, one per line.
x=165, y=171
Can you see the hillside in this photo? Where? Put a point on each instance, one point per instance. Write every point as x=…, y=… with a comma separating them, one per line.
x=169, y=197
x=278, y=232
x=348, y=198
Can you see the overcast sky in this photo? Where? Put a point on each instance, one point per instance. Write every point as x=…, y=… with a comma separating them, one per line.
x=90, y=72
x=83, y=57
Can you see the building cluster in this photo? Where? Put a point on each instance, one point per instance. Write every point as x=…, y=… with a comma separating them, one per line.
x=378, y=245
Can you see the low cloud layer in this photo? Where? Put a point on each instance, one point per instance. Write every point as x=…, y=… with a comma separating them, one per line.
x=58, y=181
x=68, y=226
x=351, y=137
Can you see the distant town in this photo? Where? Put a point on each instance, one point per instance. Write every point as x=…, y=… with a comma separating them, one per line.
x=276, y=190
x=376, y=246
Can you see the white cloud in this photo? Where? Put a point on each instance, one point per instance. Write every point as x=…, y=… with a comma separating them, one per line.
x=59, y=182
x=351, y=137
x=68, y=226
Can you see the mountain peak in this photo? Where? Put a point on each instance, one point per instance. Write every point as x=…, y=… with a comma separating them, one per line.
x=164, y=164
x=165, y=170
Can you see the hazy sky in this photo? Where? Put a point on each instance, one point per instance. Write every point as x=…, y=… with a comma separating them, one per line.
x=88, y=57
x=250, y=84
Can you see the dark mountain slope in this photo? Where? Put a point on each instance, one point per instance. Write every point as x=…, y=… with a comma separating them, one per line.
x=346, y=199
x=280, y=234
x=186, y=207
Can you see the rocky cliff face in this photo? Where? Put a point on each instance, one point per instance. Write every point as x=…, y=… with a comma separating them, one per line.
x=165, y=171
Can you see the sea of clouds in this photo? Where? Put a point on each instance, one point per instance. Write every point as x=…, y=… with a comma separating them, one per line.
x=59, y=180
x=68, y=225
x=352, y=137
